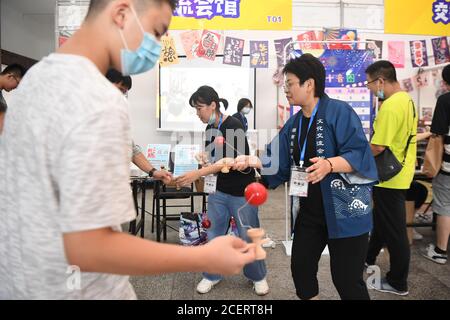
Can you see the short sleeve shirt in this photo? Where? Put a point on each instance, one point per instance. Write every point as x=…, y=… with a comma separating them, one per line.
x=393, y=125
x=65, y=156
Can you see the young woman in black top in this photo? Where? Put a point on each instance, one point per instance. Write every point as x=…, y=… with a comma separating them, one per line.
x=225, y=140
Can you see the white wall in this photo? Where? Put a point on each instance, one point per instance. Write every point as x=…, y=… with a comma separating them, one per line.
x=143, y=100
x=28, y=34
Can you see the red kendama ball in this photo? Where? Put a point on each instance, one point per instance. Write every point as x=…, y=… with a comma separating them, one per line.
x=219, y=140
x=256, y=194
x=206, y=223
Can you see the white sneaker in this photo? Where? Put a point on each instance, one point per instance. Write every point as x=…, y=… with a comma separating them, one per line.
x=416, y=235
x=206, y=285
x=369, y=268
x=432, y=255
x=261, y=287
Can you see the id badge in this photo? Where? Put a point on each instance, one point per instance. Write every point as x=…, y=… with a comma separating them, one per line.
x=299, y=184
x=210, y=183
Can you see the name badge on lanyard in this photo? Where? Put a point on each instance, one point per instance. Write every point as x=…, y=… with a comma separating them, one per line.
x=210, y=183
x=299, y=184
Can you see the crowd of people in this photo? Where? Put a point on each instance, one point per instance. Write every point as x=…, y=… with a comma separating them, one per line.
x=65, y=151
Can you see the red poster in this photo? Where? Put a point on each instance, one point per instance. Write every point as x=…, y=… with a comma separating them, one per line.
x=209, y=44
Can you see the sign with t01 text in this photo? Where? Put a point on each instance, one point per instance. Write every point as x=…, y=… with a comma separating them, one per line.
x=233, y=15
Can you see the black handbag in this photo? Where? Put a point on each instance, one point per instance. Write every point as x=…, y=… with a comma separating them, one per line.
x=388, y=165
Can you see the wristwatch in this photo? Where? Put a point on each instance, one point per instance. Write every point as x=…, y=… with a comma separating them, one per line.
x=151, y=172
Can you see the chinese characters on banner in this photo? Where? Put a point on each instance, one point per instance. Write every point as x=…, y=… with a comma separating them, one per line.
x=168, y=52
x=396, y=53
x=259, y=54
x=440, y=50
x=441, y=11
x=233, y=15
x=209, y=44
x=426, y=17
x=233, y=51
x=419, y=57
x=190, y=41
x=208, y=9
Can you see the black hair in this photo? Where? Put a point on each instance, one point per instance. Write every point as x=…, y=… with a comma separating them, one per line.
x=446, y=74
x=127, y=82
x=114, y=76
x=207, y=95
x=96, y=6
x=243, y=103
x=382, y=69
x=308, y=67
x=15, y=69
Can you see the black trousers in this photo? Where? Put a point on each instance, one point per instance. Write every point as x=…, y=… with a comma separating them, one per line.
x=347, y=258
x=389, y=229
x=418, y=193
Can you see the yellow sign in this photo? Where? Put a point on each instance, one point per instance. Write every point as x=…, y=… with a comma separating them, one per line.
x=233, y=15
x=425, y=17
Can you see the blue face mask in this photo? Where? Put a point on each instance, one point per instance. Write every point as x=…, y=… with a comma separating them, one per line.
x=144, y=58
x=380, y=94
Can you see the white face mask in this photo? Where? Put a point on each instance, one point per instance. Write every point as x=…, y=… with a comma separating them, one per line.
x=246, y=110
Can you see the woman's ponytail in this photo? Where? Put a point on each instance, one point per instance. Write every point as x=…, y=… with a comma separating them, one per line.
x=224, y=102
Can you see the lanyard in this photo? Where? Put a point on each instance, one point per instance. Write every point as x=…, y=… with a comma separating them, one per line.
x=220, y=122
x=213, y=152
x=303, y=149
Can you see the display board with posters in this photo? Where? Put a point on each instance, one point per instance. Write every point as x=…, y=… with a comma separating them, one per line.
x=346, y=81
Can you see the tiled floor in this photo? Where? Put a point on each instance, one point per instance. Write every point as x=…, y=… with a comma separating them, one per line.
x=427, y=280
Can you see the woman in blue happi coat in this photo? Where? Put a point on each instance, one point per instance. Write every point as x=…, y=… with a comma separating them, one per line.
x=324, y=147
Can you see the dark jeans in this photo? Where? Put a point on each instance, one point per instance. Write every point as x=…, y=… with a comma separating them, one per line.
x=221, y=207
x=389, y=217
x=346, y=260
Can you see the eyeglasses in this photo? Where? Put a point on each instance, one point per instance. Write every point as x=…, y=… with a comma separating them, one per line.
x=369, y=82
x=288, y=85
x=15, y=78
